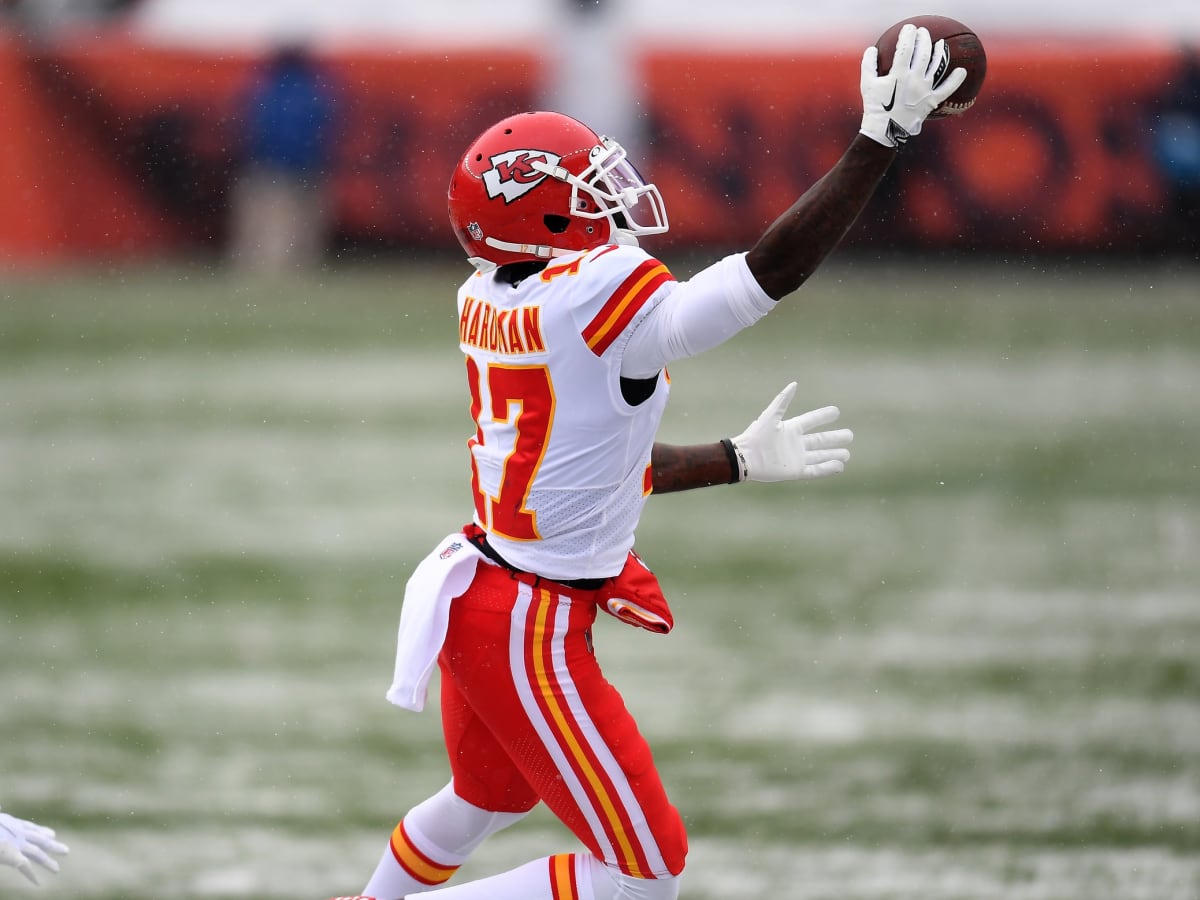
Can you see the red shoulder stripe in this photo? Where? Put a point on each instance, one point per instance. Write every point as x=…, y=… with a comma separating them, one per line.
x=623, y=305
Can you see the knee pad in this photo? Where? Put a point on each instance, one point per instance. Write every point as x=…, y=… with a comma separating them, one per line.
x=453, y=825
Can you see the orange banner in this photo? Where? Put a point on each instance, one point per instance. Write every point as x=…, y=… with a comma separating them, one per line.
x=1055, y=154
x=115, y=150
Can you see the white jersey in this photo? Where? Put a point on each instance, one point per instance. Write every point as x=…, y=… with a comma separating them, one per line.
x=560, y=461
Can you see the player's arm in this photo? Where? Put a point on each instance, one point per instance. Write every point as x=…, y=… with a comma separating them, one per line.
x=800, y=240
x=771, y=448
x=684, y=467
x=894, y=107
x=736, y=292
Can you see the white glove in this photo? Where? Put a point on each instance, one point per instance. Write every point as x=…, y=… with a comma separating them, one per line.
x=895, y=105
x=776, y=449
x=24, y=843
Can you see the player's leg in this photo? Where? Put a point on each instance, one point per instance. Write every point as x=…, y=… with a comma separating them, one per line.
x=567, y=876
x=436, y=837
x=521, y=657
x=527, y=712
x=430, y=843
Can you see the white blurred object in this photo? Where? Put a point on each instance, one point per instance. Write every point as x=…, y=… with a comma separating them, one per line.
x=591, y=71
x=23, y=843
x=769, y=23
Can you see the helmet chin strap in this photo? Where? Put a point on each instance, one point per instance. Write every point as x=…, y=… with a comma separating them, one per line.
x=544, y=251
x=541, y=251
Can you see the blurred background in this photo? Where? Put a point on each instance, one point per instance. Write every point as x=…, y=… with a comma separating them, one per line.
x=138, y=130
x=232, y=422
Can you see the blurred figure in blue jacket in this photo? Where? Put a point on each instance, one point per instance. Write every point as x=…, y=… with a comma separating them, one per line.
x=1175, y=140
x=279, y=204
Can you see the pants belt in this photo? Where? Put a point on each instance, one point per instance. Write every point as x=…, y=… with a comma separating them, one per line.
x=578, y=584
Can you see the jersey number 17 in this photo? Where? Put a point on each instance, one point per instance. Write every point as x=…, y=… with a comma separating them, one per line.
x=523, y=397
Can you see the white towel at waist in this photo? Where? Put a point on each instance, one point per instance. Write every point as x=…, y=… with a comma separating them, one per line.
x=442, y=575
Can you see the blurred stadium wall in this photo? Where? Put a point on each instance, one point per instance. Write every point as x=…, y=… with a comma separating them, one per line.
x=122, y=133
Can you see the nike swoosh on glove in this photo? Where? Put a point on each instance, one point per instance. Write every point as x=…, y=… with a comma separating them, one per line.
x=896, y=105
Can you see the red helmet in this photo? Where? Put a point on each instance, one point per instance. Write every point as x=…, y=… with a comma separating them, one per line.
x=540, y=184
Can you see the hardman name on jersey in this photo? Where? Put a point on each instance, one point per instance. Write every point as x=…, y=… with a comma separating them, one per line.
x=509, y=331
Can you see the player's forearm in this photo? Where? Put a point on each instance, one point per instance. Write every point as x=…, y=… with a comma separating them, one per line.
x=799, y=240
x=682, y=468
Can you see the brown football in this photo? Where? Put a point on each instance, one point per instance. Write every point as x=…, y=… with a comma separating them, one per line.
x=966, y=51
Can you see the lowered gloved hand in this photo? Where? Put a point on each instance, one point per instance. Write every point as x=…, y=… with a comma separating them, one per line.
x=23, y=843
x=895, y=105
x=776, y=449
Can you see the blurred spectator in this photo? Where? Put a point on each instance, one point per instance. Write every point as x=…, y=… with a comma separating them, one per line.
x=279, y=204
x=1176, y=145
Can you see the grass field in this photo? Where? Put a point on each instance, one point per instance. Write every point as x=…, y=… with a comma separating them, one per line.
x=968, y=668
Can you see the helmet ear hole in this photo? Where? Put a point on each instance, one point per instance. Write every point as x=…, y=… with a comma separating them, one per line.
x=556, y=224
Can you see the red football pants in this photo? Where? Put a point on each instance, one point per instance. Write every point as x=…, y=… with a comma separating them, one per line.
x=528, y=715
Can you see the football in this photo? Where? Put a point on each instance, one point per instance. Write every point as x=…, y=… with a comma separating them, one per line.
x=965, y=50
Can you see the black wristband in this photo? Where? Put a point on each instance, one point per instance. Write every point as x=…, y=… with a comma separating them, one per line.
x=735, y=467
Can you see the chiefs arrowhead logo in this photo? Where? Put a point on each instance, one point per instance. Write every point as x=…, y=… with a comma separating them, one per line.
x=512, y=173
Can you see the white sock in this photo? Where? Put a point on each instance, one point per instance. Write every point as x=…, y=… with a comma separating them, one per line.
x=549, y=878
x=566, y=876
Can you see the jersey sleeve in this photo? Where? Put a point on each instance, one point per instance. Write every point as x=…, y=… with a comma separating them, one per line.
x=696, y=315
x=614, y=286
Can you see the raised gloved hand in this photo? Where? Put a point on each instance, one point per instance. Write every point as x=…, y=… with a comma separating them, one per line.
x=23, y=843
x=895, y=105
x=773, y=448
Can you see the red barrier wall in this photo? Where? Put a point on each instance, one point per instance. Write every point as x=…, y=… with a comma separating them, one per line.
x=117, y=150
x=1054, y=155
